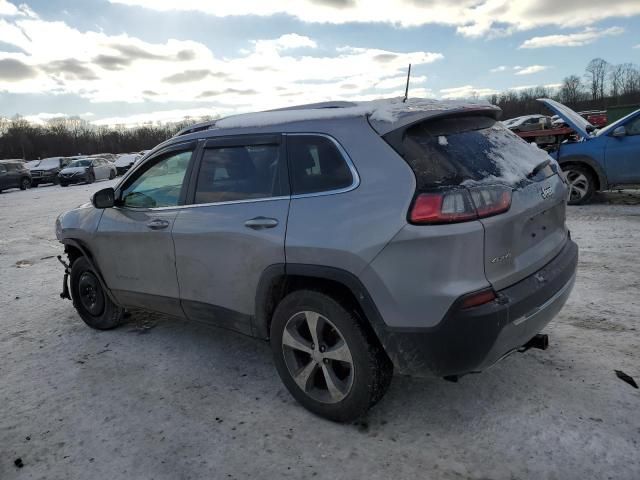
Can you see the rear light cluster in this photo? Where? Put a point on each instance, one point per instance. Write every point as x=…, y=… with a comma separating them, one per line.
x=460, y=204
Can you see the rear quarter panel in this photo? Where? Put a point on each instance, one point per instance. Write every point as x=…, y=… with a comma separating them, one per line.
x=347, y=230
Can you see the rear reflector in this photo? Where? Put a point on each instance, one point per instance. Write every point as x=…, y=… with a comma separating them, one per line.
x=460, y=204
x=478, y=298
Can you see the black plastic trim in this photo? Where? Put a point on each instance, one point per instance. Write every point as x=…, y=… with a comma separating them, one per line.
x=87, y=254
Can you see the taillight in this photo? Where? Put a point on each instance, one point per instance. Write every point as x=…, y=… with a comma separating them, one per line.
x=460, y=204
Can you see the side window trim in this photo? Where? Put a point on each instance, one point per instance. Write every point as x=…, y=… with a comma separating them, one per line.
x=345, y=156
x=142, y=167
x=239, y=141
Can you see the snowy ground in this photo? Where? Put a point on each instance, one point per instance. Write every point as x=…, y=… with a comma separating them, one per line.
x=164, y=399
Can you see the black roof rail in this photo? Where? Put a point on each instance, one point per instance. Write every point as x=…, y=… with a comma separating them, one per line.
x=196, y=127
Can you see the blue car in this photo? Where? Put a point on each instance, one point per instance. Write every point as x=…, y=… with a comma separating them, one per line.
x=602, y=159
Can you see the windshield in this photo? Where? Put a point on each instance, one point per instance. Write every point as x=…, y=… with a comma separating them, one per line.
x=615, y=124
x=470, y=149
x=84, y=162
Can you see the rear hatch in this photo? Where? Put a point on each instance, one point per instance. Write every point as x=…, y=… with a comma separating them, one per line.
x=474, y=152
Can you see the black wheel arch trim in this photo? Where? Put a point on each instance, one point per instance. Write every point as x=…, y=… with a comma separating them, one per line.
x=595, y=166
x=273, y=275
x=86, y=253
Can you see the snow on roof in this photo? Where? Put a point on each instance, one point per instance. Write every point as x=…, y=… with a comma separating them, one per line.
x=387, y=110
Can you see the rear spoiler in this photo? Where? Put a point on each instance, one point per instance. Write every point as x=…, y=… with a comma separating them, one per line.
x=395, y=136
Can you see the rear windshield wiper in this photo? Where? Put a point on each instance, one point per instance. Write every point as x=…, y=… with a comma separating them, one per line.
x=538, y=168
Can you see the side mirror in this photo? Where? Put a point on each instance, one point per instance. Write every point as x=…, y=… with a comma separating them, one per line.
x=104, y=198
x=619, y=132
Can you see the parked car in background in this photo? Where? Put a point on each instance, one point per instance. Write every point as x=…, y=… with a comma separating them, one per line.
x=597, y=118
x=46, y=170
x=124, y=162
x=14, y=174
x=527, y=123
x=87, y=170
x=601, y=159
x=421, y=236
x=558, y=122
x=111, y=157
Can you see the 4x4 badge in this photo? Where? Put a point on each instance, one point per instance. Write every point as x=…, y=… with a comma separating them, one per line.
x=547, y=192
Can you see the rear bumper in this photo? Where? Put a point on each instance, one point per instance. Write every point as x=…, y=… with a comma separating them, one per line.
x=470, y=340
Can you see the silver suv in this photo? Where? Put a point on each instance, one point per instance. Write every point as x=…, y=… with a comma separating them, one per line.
x=358, y=239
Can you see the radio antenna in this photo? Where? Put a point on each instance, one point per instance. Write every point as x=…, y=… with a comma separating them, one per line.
x=406, y=90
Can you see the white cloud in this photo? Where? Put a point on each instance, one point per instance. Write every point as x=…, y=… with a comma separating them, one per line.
x=45, y=117
x=466, y=91
x=500, y=68
x=162, y=116
x=55, y=58
x=290, y=40
x=399, y=81
x=8, y=9
x=637, y=46
x=530, y=69
x=550, y=86
x=472, y=18
x=589, y=35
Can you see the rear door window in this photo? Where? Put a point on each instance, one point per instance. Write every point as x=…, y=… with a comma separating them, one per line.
x=316, y=165
x=233, y=173
x=456, y=150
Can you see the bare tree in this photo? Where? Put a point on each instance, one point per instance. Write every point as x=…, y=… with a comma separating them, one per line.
x=571, y=89
x=630, y=79
x=596, y=74
x=616, y=75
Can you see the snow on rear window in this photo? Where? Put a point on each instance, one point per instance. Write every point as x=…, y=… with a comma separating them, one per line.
x=475, y=150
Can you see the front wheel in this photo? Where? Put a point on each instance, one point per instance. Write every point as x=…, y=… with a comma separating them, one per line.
x=582, y=184
x=25, y=183
x=325, y=358
x=90, y=300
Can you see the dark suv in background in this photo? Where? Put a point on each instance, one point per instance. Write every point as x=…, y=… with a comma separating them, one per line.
x=46, y=170
x=13, y=174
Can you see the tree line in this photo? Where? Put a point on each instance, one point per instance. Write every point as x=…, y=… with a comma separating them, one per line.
x=602, y=85
x=74, y=136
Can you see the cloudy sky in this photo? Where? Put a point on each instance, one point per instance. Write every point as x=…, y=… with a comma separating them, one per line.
x=133, y=61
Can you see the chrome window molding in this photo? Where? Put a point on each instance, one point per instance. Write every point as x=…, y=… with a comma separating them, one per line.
x=354, y=184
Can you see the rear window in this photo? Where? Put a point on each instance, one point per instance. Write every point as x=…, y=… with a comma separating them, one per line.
x=316, y=165
x=456, y=150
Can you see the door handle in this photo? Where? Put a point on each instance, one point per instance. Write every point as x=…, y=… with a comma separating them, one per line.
x=260, y=223
x=157, y=224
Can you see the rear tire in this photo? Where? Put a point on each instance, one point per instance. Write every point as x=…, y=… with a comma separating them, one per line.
x=582, y=184
x=337, y=373
x=25, y=183
x=112, y=175
x=91, y=177
x=90, y=300
x=63, y=184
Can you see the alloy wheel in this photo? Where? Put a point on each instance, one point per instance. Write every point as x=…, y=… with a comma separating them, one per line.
x=317, y=357
x=578, y=185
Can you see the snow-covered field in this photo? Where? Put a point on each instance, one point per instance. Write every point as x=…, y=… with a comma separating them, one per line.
x=164, y=399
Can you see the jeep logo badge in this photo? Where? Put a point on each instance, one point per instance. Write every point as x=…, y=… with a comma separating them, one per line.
x=546, y=192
